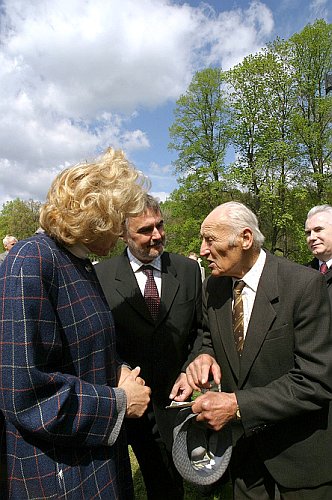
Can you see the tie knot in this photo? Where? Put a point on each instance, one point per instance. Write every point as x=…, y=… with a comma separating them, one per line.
x=147, y=270
x=238, y=287
x=323, y=268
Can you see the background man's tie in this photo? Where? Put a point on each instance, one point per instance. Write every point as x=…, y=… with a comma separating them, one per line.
x=238, y=327
x=151, y=294
x=323, y=268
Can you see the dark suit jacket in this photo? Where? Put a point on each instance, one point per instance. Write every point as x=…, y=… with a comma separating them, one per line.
x=283, y=380
x=314, y=264
x=160, y=348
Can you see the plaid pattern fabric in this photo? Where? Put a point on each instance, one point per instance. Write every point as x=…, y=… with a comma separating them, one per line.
x=57, y=367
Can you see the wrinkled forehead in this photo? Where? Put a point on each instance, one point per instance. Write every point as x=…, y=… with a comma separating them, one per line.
x=214, y=225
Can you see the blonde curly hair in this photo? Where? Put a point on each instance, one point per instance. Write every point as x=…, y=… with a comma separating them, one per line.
x=89, y=200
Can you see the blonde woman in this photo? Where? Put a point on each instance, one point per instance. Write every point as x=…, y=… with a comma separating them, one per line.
x=63, y=390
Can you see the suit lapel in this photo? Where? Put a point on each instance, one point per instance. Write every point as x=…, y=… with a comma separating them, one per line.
x=126, y=285
x=128, y=288
x=220, y=298
x=262, y=316
x=169, y=286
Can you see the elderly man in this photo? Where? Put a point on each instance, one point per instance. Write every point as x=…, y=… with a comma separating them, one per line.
x=8, y=243
x=267, y=329
x=318, y=230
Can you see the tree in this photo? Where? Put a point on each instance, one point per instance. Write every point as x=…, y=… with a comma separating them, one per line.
x=311, y=59
x=19, y=218
x=263, y=99
x=200, y=134
x=273, y=112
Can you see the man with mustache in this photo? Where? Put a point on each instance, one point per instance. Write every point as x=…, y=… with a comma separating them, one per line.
x=158, y=341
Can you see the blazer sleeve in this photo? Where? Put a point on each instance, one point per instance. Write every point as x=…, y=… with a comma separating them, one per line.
x=196, y=329
x=36, y=395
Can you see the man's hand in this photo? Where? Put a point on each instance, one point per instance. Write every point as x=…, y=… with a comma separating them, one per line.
x=215, y=408
x=200, y=370
x=181, y=389
x=138, y=395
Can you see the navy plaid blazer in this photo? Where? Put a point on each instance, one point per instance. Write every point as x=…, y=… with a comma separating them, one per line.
x=61, y=418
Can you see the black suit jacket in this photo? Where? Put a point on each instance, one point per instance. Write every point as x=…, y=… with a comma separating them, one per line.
x=283, y=380
x=314, y=264
x=160, y=348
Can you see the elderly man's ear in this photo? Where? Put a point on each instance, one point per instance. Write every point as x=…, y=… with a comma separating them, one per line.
x=246, y=238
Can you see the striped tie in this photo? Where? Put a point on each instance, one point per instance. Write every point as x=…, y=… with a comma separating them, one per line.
x=238, y=327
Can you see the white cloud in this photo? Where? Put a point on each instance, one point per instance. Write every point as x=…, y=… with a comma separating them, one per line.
x=319, y=8
x=159, y=171
x=74, y=72
x=238, y=33
x=161, y=195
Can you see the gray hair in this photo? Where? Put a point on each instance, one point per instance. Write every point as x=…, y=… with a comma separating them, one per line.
x=8, y=238
x=237, y=216
x=318, y=209
x=149, y=203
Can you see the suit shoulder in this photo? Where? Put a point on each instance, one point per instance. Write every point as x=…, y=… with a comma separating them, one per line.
x=287, y=268
x=178, y=259
x=109, y=264
x=290, y=264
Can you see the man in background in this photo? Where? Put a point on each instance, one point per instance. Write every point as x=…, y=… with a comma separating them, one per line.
x=8, y=243
x=157, y=313
x=318, y=231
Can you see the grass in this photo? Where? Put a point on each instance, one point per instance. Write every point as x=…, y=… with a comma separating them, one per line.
x=223, y=492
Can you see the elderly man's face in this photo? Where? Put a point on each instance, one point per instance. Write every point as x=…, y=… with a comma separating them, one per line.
x=10, y=244
x=224, y=259
x=318, y=230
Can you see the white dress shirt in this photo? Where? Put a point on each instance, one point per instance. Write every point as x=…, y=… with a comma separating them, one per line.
x=140, y=276
x=251, y=280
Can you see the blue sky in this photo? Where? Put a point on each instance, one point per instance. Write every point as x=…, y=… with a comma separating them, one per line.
x=77, y=76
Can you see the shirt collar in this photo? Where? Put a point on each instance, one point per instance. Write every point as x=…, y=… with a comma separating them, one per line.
x=328, y=263
x=137, y=264
x=252, y=277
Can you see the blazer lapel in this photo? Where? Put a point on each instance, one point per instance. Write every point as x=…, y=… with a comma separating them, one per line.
x=220, y=298
x=169, y=286
x=128, y=288
x=262, y=316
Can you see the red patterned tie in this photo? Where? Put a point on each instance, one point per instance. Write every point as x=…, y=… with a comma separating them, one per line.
x=151, y=294
x=323, y=268
x=238, y=326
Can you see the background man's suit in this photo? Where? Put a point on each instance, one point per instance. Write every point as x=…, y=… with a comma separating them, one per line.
x=314, y=264
x=160, y=348
x=283, y=380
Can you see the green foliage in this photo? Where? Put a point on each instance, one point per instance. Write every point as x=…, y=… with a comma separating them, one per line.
x=200, y=131
x=310, y=59
x=274, y=113
x=19, y=218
